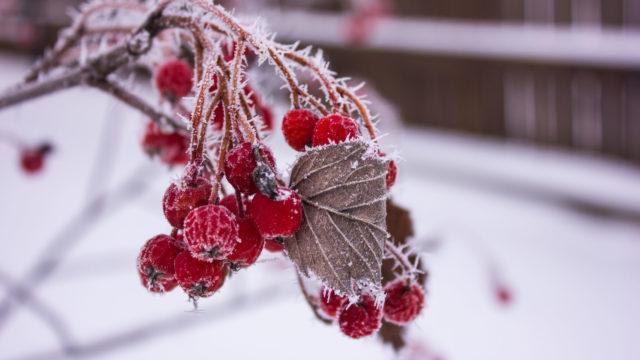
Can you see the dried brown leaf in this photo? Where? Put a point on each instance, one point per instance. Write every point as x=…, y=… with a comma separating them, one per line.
x=341, y=239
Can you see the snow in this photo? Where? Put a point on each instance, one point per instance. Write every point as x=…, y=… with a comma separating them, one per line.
x=574, y=273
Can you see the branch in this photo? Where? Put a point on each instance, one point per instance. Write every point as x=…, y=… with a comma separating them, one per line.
x=136, y=102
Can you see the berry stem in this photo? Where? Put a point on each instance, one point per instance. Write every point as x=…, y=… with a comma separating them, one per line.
x=222, y=153
x=326, y=82
x=400, y=258
x=364, y=112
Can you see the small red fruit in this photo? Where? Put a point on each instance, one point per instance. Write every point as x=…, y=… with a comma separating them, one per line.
x=156, y=264
x=199, y=278
x=331, y=302
x=403, y=302
x=179, y=200
x=297, y=127
x=32, y=159
x=211, y=232
x=250, y=246
x=170, y=147
x=277, y=218
x=174, y=79
x=360, y=319
x=503, y=295
x=239, y=166
x=335, y=128
x=273, y=246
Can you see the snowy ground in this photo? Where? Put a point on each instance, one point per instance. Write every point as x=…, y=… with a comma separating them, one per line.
x=562, y=228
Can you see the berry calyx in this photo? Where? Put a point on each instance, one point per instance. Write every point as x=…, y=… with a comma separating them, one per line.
x=32, y=159
x=199, y=278
x=240, y=164
x=156, y=264
x=403, y=302
x=280, y=217
x=174, y=79
x=330, y=302
x=250, y=246
x=211, y=232
x=179, y=200
x=335, y=128
x=170, y=147
x=297, y=127
x=360, y=319
x=273, y=246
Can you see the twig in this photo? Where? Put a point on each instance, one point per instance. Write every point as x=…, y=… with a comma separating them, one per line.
x=168, y=326
x=72, y=233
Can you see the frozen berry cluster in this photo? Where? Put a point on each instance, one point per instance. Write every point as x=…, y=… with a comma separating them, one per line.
x=404, y=301
x=303, y=128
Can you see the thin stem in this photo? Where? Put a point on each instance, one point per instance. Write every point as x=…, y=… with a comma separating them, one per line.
x=136, y=102
x=402, y=260
x=362, y=109
x=322, y=77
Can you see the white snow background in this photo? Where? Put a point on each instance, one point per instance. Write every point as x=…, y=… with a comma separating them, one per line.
x=575, y=275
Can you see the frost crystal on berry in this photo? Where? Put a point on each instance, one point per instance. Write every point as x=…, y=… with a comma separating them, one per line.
x=179, y=201
x=403, y=302
x=156, y=264
x=277, y=218
x=335, y=128
x=211, y=232
x=360, y=319
x=199, y=278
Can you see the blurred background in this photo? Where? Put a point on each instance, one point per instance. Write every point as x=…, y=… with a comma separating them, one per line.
x=517, y=126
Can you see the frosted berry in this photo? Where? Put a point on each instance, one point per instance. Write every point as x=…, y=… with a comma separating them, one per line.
x=199, y=278
x=297, y=127
x=174, y=79
x=239, y=166
x=211, y=232
x=330, y=302
x=170, y=147
x=273, y=246
x=277, y=218
x=335, y=128
x=360, y=319
x=392, y=172
x=231, y=203
x=179, y=200
x=32, y=159
x=156, y=264
x=250, y=246
x=403, y=302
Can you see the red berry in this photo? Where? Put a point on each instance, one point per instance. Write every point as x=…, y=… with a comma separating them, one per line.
x=156, y=264
x=273, y=246
x=297, y=127
x=239, y=166
x=231, y=203
x=199, y=278
x=32, y=159
x=179, y=200
x=392, y=172
x=360, y=319
x=503, y=295
x=403, y=302
x=277, y=218
x=331, y=302
x=250, y=246
x=211, y=232
x=174, y=79
x=170, y=147
x=335, y=128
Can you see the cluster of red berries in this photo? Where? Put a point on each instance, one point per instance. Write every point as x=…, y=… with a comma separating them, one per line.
x=302, y=128
x=403, y=303
x=210, y=239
